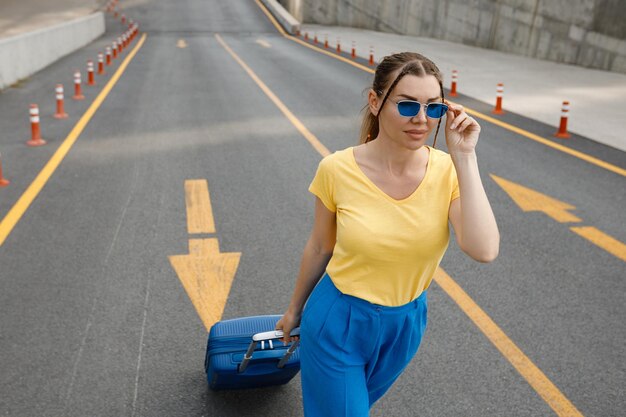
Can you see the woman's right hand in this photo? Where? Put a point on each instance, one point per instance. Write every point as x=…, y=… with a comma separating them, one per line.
x=287, y=323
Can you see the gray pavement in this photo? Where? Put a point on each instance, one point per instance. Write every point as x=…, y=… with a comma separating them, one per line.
x=94, y=321
x=533, y=88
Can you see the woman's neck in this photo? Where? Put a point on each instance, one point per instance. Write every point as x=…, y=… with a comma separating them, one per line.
x=394, y=159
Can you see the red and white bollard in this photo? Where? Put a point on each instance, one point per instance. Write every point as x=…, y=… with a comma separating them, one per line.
x=371, y=55
x=90, y=76
x=119, y=45
x=3, y=181
x=306, y=36
x=34, y=127
x=114, y=49
x=60, y=114
x=325, y=41
x=315, y=39
x=100, y=64
x=338, y=46
x=123, y=19
x=562, y=132
x=499, y=92
x=108, y=52
x=78, y=94
x=455, y=75
x=353, y=54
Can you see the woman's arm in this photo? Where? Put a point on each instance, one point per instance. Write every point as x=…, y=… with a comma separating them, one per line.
x=471, y=215
x=315, y=258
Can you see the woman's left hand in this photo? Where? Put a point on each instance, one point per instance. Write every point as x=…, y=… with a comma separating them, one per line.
x=461, y=130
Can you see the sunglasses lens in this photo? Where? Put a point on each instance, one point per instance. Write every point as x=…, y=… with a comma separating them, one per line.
x=408, y=108
x=436, y=110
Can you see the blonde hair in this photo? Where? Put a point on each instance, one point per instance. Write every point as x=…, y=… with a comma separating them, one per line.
x=408, y=63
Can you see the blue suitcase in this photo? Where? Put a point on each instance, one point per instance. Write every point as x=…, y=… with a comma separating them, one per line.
x=244, y=353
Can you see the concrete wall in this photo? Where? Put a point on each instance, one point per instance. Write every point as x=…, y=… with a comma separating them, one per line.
x=590, y=33
x=23, y=55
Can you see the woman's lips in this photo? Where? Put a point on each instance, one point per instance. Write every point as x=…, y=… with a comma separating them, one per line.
x=416, y=133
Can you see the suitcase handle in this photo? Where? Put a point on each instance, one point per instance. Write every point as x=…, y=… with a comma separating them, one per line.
x=261, y=337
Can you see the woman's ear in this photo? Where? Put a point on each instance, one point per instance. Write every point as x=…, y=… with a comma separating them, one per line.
x=373, y=102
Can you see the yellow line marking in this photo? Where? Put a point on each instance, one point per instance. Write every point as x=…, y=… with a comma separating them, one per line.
x=537, y=379
x=507, y=126
x=315, y=48
x=17, y=211
x=263, y=43
x=558, y=147
x=292, y=118
x=601, y=239
x=272, y=19
x=540, y=383
x=198, y=202
x=323, y=51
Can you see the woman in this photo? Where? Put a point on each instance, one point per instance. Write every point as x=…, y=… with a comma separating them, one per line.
x=380, y=231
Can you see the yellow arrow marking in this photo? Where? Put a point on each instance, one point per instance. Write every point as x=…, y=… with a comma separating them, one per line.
x=263, y=43
x=537, y=379
x=530, y=200
x=199, y=212
x=546, y=389
x=207, y=276
x=181, y=43
x=601, y=239
x=17, y=211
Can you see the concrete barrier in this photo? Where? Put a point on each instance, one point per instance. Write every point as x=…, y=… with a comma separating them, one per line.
x=286, y=20
x=23, y=55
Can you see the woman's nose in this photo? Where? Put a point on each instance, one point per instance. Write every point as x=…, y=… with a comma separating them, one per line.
x=420, y=117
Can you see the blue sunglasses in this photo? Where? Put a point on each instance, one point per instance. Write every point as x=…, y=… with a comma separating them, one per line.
x=411, y=108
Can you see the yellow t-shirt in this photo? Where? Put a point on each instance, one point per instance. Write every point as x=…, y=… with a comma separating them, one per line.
x=387, y=250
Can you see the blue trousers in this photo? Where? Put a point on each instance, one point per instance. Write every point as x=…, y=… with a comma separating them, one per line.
x=352, y=351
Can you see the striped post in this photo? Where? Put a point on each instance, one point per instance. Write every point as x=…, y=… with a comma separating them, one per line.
x=499, y=92
x=325, y=40
x=114, y=49
x=90, y=77
x=78, y=94
x=119, y=45
x=36, y=139
x=455, y=75
x=353, y=54
x=562, y=132
x=306, y=36
x=100, y=63
x=60, y=114
x=338, y=46
x=371, y=55
x=108, y=52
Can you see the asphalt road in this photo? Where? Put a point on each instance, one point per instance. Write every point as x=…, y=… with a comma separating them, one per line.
x=94, y=320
